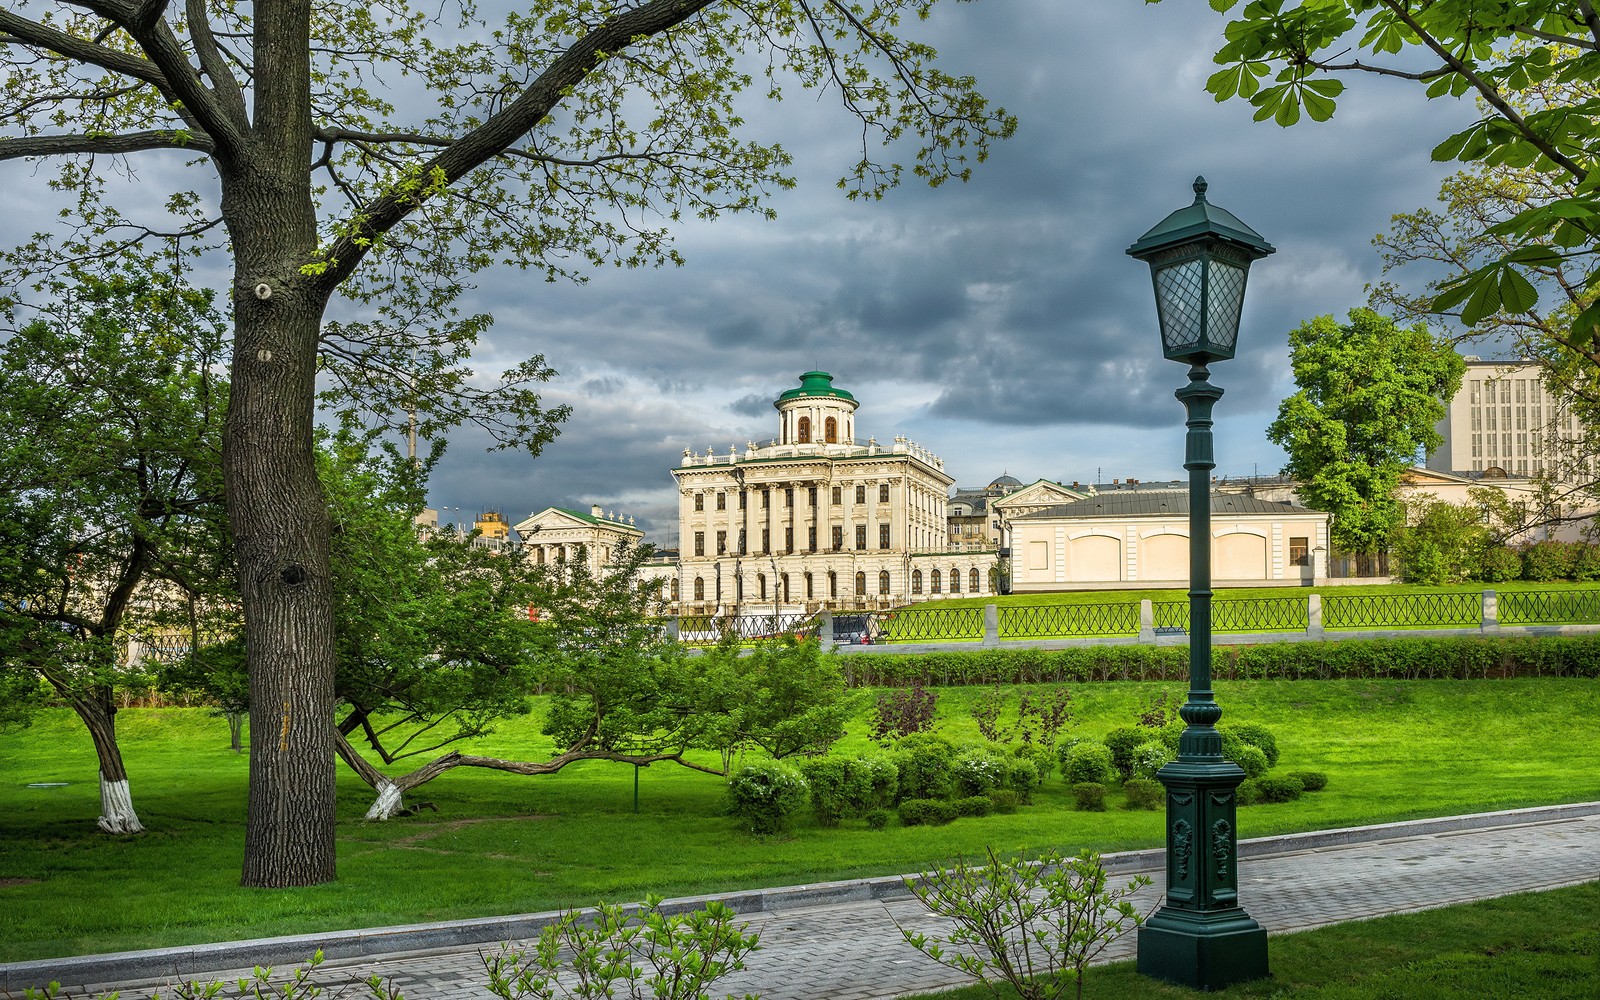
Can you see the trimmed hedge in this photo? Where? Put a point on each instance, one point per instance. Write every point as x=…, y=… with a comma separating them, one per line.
x=1456, y=658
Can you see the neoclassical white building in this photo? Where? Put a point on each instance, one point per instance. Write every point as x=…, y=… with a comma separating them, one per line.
x=816, y=519
x=558, y=534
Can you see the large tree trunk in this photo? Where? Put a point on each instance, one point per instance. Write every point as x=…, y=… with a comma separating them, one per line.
x=275, y=504
x=99, y=714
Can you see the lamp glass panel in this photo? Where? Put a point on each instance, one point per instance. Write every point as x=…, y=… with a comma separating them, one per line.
x=1178, y=298
x=1224, y=304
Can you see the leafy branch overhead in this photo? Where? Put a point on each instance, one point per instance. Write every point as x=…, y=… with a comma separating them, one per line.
x=1286, y=58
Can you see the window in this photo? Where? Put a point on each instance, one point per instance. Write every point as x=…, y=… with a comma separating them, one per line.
x=861, y=494
x=699, y=543
x=741, y=499
x=1522, y=390
x=1473, y=388
x=861, y=585
x=766, y=499
x=788, y=539
x=883, y=536
x=916, y=581
x=833, y=584
x=722, y=543
x=933, y=582
x=722, y=501
x=1490, y=414
x=1299, y=551
x=883, y=583
x=861, y=536
x=741, y=550
x=766, y=540
x=788, y=496
x=810, y=589
x=838, y=496
x=838, y=537
x=761, y=586
x=802, y=431
x=699, y=501
x=830, y=431
x=812, y=493
x=974, y=581
x=784, y=584
x=699, y=588
x=955, y=580
x=883, y=493
x=811, y=538
x=675, y=591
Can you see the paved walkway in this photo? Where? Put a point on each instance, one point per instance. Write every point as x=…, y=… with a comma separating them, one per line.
x=841, y=941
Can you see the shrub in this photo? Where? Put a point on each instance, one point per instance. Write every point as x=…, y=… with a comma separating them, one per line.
x=1005, y=800
x=1258, y=736
x=1547, y=560
x=977, y=772
x=973, y=805
x=1042, y=757
x=1041, y=922
x=923, y=762
x=1500, y=564
x=1250, y=758
x=765, y=795
x=1088, y=762
x=1022, y=778
x=926, y=812
x=877, y=819
x=833, y=790
x=1121, y=742
x=1313, y=781
x=1284, y=789
x=1091, y=796
x=877, y=781
x=1586, y=562
x=905, y=711
x=1065, y=747
x=1249, y=793
x=1148, y=758
x=1144, y=793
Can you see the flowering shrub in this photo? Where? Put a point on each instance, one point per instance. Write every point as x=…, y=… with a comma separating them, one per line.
x=977, y=773
x=1148, y=758
x=765, y=795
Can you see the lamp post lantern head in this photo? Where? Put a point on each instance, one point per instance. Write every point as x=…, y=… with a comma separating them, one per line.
x=1199, y=257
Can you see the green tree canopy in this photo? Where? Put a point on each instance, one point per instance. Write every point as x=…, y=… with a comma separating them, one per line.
x=111, y=523
x=1370, y=393
x=1532, y=66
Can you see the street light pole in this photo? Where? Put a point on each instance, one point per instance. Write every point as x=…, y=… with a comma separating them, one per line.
x=1201, y=937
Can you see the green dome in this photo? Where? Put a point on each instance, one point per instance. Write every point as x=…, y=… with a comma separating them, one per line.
x=815, y=384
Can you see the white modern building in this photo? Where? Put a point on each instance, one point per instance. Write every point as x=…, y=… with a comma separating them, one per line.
x=1503, y=421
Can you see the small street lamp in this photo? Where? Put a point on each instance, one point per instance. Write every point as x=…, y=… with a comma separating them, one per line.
x=1199, y=257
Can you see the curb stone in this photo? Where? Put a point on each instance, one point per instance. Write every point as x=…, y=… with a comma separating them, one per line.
x=186, y=960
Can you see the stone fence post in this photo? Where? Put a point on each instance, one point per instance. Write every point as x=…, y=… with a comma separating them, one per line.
x=1147, y=621
x=1314, y=616
x=991, y=626
x=1491, y=612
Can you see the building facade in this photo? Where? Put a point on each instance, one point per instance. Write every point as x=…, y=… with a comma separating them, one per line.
x=557, y=534
x=1503, y=419
x=1141, y=539
x=815, y=519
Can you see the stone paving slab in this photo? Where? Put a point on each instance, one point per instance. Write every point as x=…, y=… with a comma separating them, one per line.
x=842, y=941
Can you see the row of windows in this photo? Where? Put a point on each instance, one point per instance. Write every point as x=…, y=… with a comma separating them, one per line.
x=830, y=431
x=788, y=540
x=788, y=497
x=935, y=584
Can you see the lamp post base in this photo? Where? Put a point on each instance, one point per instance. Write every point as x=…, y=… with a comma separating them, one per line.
x=1203, y=951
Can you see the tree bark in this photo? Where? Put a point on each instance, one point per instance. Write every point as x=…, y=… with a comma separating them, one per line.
x=99, y=713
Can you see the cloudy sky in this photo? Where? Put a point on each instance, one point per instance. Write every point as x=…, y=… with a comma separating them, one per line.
x=996, y=323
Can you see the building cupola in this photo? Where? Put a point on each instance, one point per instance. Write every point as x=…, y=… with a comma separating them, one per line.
x=816, y=413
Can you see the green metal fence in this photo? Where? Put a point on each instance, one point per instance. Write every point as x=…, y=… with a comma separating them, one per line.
x=1369, y=611
x=1050, y=621
x=1549, y=607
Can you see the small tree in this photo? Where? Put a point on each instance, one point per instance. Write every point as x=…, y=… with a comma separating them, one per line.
x=1440, y=542
x=903, y=712
x=1035, y=925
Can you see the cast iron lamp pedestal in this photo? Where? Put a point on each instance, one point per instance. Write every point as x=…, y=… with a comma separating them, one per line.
x=1201, y=937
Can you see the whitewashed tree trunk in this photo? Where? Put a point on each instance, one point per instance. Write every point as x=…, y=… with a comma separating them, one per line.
x=388, y=802
x=116, y=807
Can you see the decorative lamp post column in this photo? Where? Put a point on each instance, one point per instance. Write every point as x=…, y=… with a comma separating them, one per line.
x=1199, y=257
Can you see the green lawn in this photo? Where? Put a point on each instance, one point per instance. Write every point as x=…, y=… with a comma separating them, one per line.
x=1536, y=946
x=499, y=843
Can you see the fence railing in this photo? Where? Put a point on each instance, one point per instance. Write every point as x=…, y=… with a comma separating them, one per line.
x=1152, y=620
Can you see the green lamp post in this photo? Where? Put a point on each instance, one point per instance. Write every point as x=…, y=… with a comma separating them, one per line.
x=1199, y=257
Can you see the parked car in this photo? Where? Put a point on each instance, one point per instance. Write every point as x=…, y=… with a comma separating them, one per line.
x=856, y=630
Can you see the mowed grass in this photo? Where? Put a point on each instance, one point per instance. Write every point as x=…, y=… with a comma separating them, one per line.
x=496, y=843
x=1534, y=946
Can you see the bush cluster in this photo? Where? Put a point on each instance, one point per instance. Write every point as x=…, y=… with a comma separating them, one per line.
x=1091, y=796
x=1088, y=762
x=1144, y=793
